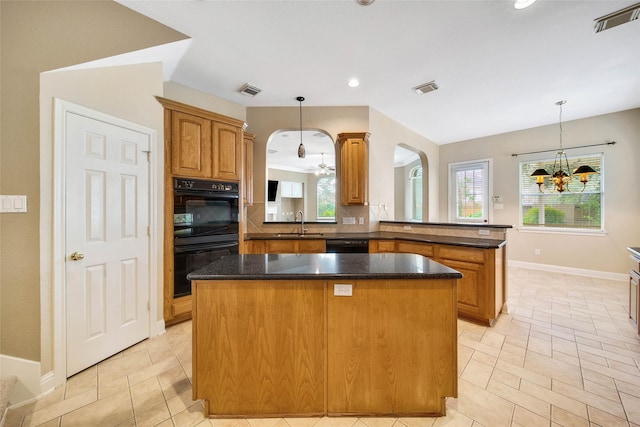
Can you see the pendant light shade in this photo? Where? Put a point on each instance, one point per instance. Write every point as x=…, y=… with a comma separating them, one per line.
x=301, y=150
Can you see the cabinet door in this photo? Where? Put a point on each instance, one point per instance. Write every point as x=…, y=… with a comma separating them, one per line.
x=247, y=169
x=424, y=249
x=227, y=149
x=354, y=168
x=190, y=145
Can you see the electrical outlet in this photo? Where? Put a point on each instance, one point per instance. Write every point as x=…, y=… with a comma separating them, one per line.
x=536, y=251
x=342, y=290
x=483, y=232
x=407, y=228
x=349, y=220
x=361, y=221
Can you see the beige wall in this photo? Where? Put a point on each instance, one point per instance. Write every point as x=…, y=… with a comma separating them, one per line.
x=39, y=36
x=385, y=135
x=621, y=199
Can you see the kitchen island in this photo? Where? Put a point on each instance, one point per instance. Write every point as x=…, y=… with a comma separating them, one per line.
x=324, y=334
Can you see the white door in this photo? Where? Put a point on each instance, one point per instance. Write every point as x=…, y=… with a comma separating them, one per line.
x=107, y=243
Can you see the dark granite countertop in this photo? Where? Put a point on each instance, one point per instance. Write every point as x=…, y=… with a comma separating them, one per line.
x=385, y=235
x=324, y=266
x=635, y=251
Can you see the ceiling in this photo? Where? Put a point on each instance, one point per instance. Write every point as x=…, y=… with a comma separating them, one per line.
x=498, y=69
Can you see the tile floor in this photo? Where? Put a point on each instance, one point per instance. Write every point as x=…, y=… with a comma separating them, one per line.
x=566, y=355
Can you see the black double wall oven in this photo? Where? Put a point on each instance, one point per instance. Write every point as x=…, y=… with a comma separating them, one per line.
x=205, y=226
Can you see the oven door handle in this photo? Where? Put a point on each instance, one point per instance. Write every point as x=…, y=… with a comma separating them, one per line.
x=191, y=248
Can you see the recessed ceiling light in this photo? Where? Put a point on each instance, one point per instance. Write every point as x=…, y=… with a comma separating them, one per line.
x=353, y=83
x=364, y=2
x=521, y=4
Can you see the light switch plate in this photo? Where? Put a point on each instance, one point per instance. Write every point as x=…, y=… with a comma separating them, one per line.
x=13, y=204
x=350, y=220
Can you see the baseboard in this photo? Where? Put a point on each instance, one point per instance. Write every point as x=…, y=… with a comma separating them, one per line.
x=160, y=329
x=570, y=270
x=28, y=373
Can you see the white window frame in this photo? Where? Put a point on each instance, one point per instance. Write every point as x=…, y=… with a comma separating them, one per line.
x=548, y=187
x=412, y=191
x=325, y=218
x=487, y=166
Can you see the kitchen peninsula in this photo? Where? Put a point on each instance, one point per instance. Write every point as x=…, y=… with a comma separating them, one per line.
x=324, y=334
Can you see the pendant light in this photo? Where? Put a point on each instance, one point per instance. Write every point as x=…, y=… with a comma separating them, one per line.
x=559, y=177
x=301, y=150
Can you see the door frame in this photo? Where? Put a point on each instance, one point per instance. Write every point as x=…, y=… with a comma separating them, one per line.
x=59, y=250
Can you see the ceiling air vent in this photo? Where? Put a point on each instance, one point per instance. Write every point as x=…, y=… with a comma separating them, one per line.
x=425, y=88
x=250, y=90
x=620, y=17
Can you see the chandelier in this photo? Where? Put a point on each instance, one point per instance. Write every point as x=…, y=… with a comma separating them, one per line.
x=301, y=150
x=561, y=177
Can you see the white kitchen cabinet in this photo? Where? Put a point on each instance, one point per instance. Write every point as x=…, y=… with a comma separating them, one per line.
x=291, y=189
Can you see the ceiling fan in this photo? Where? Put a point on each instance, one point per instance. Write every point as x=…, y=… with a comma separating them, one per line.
x=324, y=169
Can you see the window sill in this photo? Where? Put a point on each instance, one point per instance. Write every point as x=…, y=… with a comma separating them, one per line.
x=574, y=232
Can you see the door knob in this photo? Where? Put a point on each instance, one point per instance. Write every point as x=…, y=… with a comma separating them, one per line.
x=77, y=256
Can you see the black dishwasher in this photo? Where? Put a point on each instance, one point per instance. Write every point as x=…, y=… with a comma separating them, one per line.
x=352, y=246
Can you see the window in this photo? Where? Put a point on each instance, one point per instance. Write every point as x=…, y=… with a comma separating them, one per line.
x=416, y=193
x=570, y=209
x=326, y=200
x=469, y=186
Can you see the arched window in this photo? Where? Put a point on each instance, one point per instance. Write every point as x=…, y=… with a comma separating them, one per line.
x=416, y=193
x=326, y=198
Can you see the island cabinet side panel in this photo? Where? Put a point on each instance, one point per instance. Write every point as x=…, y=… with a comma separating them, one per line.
x=392, y=347
x=259, y=347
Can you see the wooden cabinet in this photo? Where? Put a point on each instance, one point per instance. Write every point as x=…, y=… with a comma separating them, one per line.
x=247, y=168
x=227, y=151
x=481, y=291
x=354, y=168
x=274, y=348
x=286, y=246
x=198, y=144
x=203, y=144
x=634, y=294
x=190, y=145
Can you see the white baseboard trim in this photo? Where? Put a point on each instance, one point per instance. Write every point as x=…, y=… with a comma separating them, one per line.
x=28, y=373
x=570, y=270
x=160, y=329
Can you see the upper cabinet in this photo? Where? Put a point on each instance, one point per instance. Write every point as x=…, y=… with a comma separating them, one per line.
x=203, y=144
x=354, y=168
x=247, y=177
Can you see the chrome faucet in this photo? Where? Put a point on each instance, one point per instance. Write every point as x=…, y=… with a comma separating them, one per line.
x=302, y=229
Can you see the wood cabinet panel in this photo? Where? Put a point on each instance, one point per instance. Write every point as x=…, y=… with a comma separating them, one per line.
x=247, y=168
x=354, y=168
x=284, y=246
x=381, y=358
x=259, y=347
x=191, y=145
x=424, y=249
x=227, y=150
x=481, y=292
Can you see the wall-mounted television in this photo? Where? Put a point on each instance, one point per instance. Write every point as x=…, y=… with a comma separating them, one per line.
x=272, y=190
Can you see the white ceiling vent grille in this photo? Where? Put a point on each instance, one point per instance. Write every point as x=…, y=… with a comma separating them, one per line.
x=620, y=17
x=250, y=90
x=425, y=88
